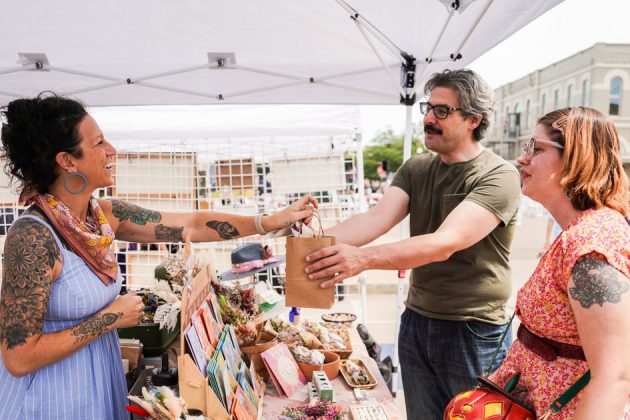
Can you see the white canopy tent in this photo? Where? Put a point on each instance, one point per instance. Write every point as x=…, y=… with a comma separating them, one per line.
x=193, y=52
x=157, y=52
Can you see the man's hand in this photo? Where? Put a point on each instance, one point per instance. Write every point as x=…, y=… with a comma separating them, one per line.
x=341, y=261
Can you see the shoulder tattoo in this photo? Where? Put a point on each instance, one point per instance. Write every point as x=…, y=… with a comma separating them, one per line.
x=136, y=214
x=596, y=281
x=29, y=255
x=224, y=229
x=169, y=233
x=95, y=326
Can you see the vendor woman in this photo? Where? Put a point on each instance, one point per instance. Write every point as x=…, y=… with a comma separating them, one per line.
x=59, y=304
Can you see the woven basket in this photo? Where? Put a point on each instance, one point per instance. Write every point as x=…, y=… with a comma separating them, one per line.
x=254, y=351
x=345, y=353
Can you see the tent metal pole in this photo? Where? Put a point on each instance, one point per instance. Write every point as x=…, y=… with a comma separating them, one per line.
x=174, y=72
x=380, y=58
x=430, y=58
x=404, y=234
x=355, y=72
x=362, y=209
x=265, y=72
x=16, y=69
x=356, y=16
x=184, y=91
x=95, y=87
x=456, y=53
x=355, y=89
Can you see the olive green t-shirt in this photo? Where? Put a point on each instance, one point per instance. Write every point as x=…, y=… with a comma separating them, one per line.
x=474, y=283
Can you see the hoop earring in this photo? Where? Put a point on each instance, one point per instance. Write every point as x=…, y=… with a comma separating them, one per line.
x=67, y=179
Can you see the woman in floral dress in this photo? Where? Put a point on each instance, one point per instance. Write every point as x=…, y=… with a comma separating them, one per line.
x=579, y=294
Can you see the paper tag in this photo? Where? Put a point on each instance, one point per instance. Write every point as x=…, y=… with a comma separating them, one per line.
x=269, y=296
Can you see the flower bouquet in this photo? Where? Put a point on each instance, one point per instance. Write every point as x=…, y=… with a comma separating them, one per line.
x=320, y=410
x=161, y=404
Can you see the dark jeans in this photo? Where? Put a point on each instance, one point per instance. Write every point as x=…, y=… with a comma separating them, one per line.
x=439, y=359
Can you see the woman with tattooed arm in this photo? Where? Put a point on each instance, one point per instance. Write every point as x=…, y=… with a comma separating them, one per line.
x=59, y=303
x=574, y=307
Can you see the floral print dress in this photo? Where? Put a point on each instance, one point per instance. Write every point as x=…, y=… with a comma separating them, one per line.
x=543, y=307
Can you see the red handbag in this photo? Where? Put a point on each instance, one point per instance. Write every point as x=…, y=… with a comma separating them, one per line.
x=488, y=401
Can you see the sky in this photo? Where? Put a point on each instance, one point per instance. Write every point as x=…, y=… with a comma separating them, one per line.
x=570, y=27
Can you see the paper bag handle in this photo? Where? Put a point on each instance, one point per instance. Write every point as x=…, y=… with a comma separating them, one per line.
x=320, y=232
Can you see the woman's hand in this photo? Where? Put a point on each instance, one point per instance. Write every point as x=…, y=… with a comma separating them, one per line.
x=127, y=310
x=300, y=210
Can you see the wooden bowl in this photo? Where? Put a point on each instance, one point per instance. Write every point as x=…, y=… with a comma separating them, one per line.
x=330, y=366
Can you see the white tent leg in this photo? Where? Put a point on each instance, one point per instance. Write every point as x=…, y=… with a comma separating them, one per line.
x=362, y=209
x=404, y=234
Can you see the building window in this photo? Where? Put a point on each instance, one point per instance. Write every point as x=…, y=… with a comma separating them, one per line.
x=585, y=96
x=570, y=95
x=506, y=121
x=543, y=104
x=616, y=86
x=528, y=115
x=556, y=99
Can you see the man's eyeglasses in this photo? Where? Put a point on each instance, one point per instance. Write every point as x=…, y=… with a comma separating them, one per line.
x=528, y=148
x=440, y=111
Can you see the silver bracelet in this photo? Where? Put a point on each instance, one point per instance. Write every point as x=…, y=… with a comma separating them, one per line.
x=258, y=224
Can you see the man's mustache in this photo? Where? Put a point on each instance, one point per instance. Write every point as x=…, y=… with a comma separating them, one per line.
x=431, y=129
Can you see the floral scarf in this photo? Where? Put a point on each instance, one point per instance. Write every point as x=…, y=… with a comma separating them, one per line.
x=94, y=247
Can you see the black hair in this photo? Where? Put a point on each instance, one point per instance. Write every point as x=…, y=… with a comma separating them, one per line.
x=33, y=132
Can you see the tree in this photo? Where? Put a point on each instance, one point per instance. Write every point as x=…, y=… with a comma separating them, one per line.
x=390, y=146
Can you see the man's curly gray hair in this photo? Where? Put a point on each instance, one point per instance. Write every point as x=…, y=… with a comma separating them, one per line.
x=475, y=95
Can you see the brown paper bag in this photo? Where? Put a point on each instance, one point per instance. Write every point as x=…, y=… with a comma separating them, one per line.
x=300, y=291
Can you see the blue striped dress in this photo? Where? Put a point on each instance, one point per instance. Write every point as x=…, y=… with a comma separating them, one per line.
x=90, y=383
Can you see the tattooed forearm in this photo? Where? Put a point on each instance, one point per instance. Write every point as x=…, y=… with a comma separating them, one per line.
x=95, y=326
x=596, y=282
x=224, y=229
x=29, y=255
x=169, y=233
x=138, y=216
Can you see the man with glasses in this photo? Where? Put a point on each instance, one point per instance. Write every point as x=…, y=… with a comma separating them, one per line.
x=462, y=202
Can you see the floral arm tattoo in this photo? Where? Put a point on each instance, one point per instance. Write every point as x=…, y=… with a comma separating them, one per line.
x=29, y=255
x=224, y=229
x=136, y=214
x=596, y=282
x=95, y=326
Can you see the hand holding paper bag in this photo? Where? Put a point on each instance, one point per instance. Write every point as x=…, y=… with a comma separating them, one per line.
x=337, y=262
x=300, y=291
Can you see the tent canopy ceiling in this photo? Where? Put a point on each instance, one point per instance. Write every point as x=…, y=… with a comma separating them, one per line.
x=157, y=52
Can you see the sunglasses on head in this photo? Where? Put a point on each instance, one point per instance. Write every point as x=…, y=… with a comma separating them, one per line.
x=528, y=148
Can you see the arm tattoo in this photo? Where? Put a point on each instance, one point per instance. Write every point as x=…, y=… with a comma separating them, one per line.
x=169, y=233
x=138, y=216
x=29, y=256
x=224, y=229
x=596, y=282
x=95, y=326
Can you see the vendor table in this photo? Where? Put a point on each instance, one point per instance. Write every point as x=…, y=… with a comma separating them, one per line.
x=273, y=404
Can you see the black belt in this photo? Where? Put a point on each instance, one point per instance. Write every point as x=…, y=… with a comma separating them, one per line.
x=546, y=348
